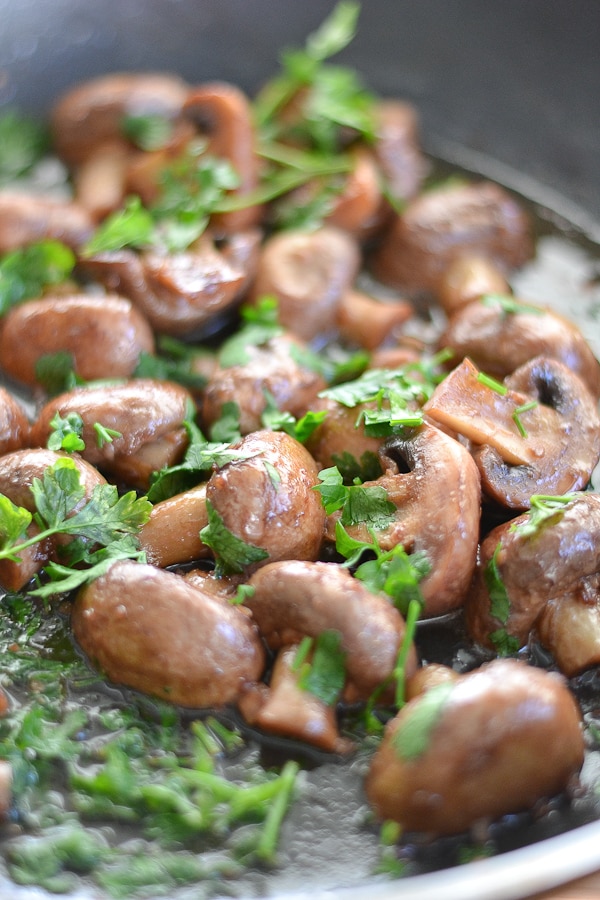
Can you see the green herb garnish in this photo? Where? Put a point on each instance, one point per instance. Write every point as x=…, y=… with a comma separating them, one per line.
x=413, y=737
x=24, y=273
x=232, y=554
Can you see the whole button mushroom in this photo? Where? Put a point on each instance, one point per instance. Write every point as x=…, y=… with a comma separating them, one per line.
x=14, y=423
x=522, y=567
x=500, y=333
x=28, y=218
x=17, y=473
x=172, y=533
x=104, y=336
x=267, y=498
x=145, y=415
x=446, y=222
x=151, y=630
x=492, y=742
x=308, y=272
x=569, y=627
x=294, y=598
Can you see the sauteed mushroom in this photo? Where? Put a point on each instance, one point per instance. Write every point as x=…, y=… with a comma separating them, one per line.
x=433, y=483
x=104, y=336
x=294, y=598
x=569, y=627
x=146, y=416
x=172, y=533
x=28, y=218
x=470, y=750
x=14, y=423
x=446, y=222
x=533, y=566
x=153, y=631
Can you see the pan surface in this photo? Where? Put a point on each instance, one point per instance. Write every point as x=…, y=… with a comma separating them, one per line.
x=506, y=90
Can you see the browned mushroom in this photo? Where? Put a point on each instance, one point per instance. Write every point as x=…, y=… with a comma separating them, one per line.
x=180, y=293
x=308, y=272
x=172, y=533
x=6, y=781
x=14, y=423
x=470, y=750
x=446, y=222
x=153, y=631
x=529, y=567
x=433, y=482
x=499, y=337
x=557, y=446
x=273, y=371
x=368, y=322
x=340, y=440
x=291, y=599
x=146, y=416
x=17, y=473
x=92, y=114
x=569, y=627
x=104, y=336
x=267, y=497
x=28, y=218
x=467, y=278
x=223, y=114
x=397, y=148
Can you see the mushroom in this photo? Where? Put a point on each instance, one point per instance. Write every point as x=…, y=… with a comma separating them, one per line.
x=500, y=334
x=267, y=499
x=6, y=781
x=294, y=598
x=14, y=422
x=368, y=322
x=433, y=482
x=557, y=445
x=223, y=113
x=28, y=218
x=274, y=371
x=469, y=750
x=18, y=470
x=308, y=273
x=397, y=149
x=340, y=440
x=469, y=277
x=446, y=222
x=151, y=630
x=104, y=336
x=172, y=533
x=569, y=626
x=181, y=294
x=521, y=568
x=146, y=416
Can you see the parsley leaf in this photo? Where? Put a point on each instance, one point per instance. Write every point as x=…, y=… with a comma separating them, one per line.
x=503, y=641
x=232, y=553
x=324, y=676
x=544, y=510
x=147, y=132
x=132, y=226
x=413, y=736
x=24, y=273
x=23, y=142
x=359, y=504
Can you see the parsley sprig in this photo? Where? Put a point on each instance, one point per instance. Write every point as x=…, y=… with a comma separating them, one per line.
x=103, y=528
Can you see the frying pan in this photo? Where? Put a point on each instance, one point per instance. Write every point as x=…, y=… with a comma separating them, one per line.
x=507, y=89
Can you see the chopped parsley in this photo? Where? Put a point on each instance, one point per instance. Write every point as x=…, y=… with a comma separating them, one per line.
x=325, y=674
x=232, y=554
x=413, y=736
x=359, y=504
x=24, y=273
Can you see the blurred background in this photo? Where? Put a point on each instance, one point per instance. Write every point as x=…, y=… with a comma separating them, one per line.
x=516, y=81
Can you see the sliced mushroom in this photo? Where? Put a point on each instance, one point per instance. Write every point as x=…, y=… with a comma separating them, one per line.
x=500, y=341
x=446, y=222
x=308, y=273
x=28, y=218
x=273, y=371
x=531, y=569
x=433, y=482
x=294, y=598
x=267, y=498
x=17, y=473
x=470, y=750
x=105, y=336
x=151, y=630
x=146, y=415
x=558, y=445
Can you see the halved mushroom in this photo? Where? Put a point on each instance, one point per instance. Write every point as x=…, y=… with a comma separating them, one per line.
x=433, y=482
x=470, y=750
x=28, y=218
x=104, y=336
x=447, y=222
x=500, y=334
x=554, y=450
x=308, y=272
x=17, y=473
x=520, y=569
x=153, y=631
x=223, y=114
x=145, y=415
x=291, y=599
